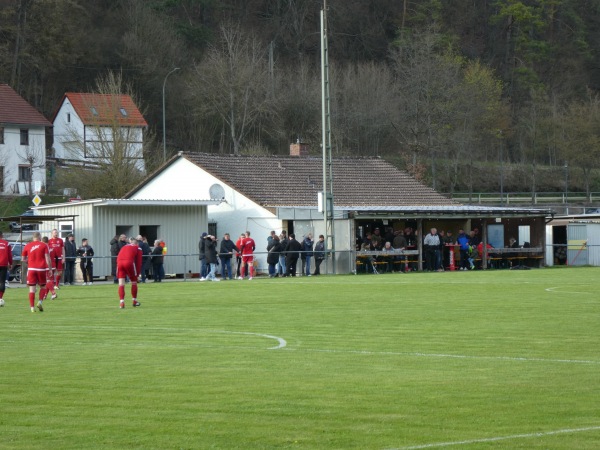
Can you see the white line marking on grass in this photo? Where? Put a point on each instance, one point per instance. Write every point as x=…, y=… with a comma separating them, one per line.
x=282, y=342
x=552, y=289
x=443, y=355
x=501, y=438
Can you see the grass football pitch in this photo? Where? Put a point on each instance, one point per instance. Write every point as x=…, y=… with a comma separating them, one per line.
x=475, y=360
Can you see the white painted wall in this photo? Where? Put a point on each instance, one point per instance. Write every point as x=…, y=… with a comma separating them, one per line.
x=13, y=154
x=184, y=180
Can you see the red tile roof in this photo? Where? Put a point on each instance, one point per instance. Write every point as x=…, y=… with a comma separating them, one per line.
x=15, y=110
x=104, y=109
x=273, y=181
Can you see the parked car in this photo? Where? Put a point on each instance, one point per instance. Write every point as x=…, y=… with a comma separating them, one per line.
x=15, y=227
x=592, y=211
x=14, y=273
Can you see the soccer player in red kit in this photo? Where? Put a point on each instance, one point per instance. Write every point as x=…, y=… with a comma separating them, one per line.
x=6, y=261
x=247, y=247
x=37, y=256
x=58, y=247
x=129, y=264
x=49, y=275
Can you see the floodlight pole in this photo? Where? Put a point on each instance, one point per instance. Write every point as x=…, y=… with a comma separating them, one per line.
x=163, y=111
x=328, y=216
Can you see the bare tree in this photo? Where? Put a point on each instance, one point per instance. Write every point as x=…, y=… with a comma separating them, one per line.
x=233, y=82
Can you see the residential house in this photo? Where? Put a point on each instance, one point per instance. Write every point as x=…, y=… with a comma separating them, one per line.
x=22, y=145
x=90, y=128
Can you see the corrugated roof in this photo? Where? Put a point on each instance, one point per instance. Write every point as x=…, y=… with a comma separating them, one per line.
x=273, y=181
x=15, y=110
x=105, y=109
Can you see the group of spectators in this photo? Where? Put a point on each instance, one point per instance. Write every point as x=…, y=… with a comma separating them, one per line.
x=283, y=253
x=152, y=257
x=436, y=248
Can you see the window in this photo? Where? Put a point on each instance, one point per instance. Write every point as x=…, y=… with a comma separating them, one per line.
x=64, y=229
x=1, y=135
x=24, y=136
x=68, y=117
x=94, y=110
x=24, y=173
x=1, y=178
x=123, y=112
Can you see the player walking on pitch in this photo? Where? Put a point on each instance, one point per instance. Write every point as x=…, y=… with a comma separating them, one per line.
x=37, y=256
x=129, y=264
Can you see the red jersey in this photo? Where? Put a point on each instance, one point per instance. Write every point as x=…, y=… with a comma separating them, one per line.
x=131, y=254
x=247, y=246
x=52, y=256
x=58, y=245
x=5, y=254
x=238, y=244
x=35, y=252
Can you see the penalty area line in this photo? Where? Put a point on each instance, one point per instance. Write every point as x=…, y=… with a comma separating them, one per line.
x=499, y=438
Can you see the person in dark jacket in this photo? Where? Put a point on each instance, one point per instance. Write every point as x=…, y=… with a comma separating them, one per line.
x=283, y=241
x=225, y=254
x=273, y=249
x=319, y=254
x=143, y=244
x=157, y=259
x=86, y=252
x=202, y=256
x=292, y=254
x=210, y=255
x=70, y=256
x=307, y=253
x=116, y=244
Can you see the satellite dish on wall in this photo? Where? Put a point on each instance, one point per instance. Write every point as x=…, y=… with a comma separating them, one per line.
x=216, y=192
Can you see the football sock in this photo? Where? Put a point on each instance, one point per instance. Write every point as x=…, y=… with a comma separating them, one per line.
x=134, y=290
x=32, y=299
x=121, y=292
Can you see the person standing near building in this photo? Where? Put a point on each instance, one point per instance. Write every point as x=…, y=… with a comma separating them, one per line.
x=70, y=256
x=292, y=254
x=210, y=253
x=307, y=253
x=283, y=242
x=129, y=265
x=157, y=259
x=37, y=256
x=145, y=256
x=238, y=255
x=58, y=246
x=116, y=244
x=6, y=261
x=202, y=256
x=85, y=253
x=319, y=254
x=432, y=249
x=247, y=248
x=225, y=254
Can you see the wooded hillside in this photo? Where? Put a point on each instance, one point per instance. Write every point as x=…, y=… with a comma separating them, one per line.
x=449, y=90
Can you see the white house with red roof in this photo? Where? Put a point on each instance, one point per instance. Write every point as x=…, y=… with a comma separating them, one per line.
x=89, y=128
x=22, y=144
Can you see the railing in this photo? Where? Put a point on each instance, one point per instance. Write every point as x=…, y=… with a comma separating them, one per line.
x=516, y=198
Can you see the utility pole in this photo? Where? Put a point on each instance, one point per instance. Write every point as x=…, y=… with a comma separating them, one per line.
x=164, y=120
x=327, y=199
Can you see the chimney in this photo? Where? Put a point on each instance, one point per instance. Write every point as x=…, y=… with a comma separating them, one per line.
x=298, y=149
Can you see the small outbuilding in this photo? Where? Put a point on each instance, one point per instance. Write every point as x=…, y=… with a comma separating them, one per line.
x=176, y=222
